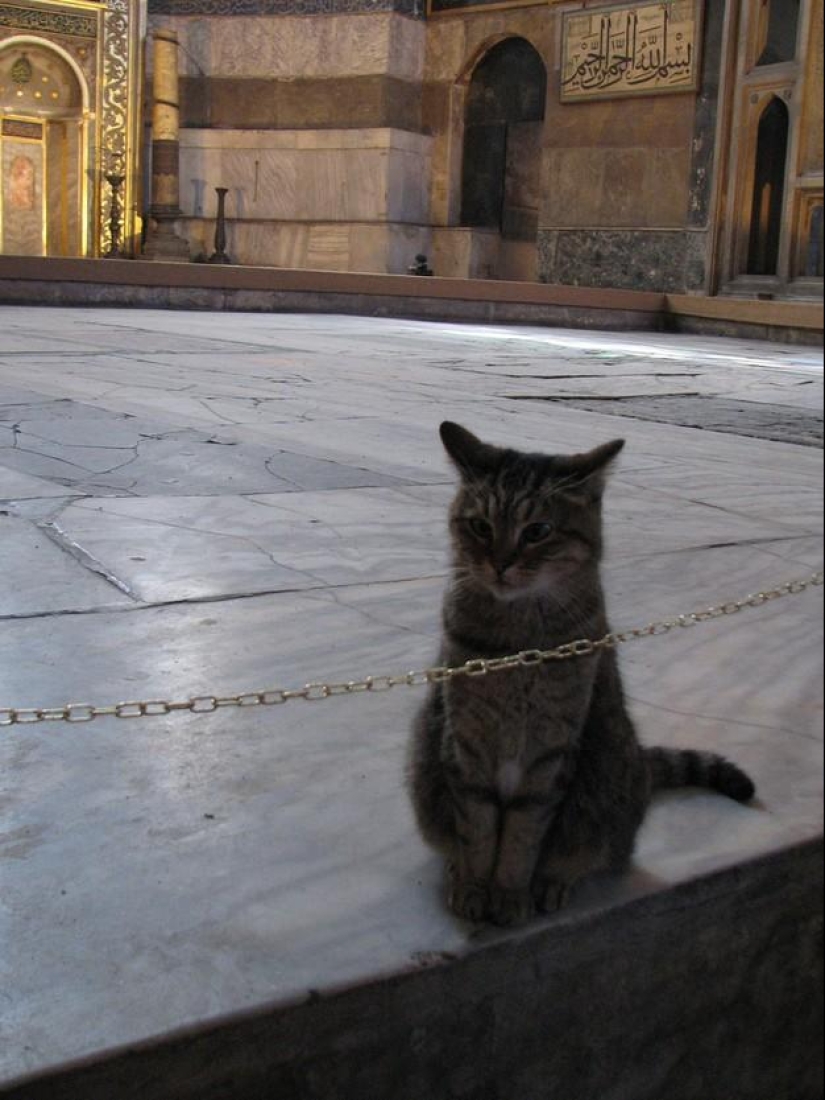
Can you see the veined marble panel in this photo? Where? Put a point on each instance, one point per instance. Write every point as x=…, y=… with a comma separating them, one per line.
x=347, y=246
x=286, y=46
x=599, y=189
x=377, y=138
x=328, y=247
x=371, y=176
x=462, y=253
x=391, y=249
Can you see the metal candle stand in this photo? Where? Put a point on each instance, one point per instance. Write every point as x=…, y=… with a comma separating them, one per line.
x=219, y=256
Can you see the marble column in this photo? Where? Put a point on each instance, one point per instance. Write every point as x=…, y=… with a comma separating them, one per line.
x=162, y=243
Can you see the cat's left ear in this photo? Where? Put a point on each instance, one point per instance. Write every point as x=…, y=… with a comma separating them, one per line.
x=470, y=456
x=592, y=467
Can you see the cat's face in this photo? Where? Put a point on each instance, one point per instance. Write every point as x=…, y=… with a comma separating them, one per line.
x=523, y=524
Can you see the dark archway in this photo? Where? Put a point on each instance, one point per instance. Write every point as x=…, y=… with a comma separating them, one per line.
x=768, y=189
x=502, y=140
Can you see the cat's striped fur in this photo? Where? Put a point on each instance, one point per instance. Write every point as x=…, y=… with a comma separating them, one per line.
x=528, y=780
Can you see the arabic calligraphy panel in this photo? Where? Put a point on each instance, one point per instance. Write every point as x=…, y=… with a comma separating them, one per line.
x=630, y=50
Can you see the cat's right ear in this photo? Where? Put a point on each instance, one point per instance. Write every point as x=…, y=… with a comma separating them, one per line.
x=470, y=456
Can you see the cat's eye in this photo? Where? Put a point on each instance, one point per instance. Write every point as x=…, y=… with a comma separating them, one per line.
x=480, y=528
x=536, y=532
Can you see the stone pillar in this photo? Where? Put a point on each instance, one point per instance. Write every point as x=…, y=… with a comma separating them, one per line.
x=162, y=243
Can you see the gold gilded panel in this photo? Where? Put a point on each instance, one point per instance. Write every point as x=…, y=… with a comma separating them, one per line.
x=118, y=120
x=22, y=172
x=643, y=49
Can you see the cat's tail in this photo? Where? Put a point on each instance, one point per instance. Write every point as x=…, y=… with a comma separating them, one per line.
x=692, y=768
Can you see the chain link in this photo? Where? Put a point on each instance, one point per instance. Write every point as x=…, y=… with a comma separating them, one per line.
x=477, y=666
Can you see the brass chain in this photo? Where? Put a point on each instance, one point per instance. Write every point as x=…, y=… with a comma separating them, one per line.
x=478, y=666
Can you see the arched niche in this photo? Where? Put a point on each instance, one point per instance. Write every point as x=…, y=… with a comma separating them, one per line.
x=43, y=110
x=768, y=189
x=503, y=126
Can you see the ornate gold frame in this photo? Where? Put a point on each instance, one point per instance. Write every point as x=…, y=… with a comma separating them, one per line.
x=111, y=123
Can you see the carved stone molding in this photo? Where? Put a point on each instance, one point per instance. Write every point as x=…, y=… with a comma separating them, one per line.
x=77, y=24
x=283, y=7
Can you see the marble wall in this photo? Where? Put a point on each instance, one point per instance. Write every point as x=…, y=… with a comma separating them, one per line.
x=283, y=7
x=462, y=253
x=294, y=47
x=812, y=154
x=306, y=175
x=315, y=246
x=455, y=45
x=673, y=261
x=258, y=103
x=314, y=126
x=616, y=180
x=629, y=188
x=625, y=183
x=343, y=200
x=616, y=175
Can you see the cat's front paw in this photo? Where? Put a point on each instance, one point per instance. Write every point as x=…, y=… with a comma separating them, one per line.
x=550, y=895
x=508, y=907
x=468, y=900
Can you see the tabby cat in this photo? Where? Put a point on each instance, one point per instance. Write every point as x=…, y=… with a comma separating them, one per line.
x=531, y=779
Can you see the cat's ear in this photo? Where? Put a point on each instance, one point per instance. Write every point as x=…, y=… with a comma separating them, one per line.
x=469, y=454
x=590, y=469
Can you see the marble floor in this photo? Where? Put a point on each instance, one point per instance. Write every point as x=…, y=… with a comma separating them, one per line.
x=205, y=504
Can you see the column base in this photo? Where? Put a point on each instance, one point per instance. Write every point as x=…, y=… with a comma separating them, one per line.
x=163, y=243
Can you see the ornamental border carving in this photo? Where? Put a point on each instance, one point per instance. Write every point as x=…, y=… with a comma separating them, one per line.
x=118, y=99
x=19, y=128
x=49, y=22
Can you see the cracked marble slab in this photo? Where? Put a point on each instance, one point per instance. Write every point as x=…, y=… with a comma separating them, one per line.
x=96, y=452
x=195, y=547
x=40, y=577
x=162, y=872
x=761, y=420
x=16, y=486
x=212, y=847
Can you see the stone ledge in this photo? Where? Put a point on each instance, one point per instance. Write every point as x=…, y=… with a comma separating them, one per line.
x=712, y=988
x=34, y=280
x=806, y=315
x=141, y=273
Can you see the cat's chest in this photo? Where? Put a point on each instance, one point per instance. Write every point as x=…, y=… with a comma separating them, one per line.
x=501, y=724
x=519, y=701
x=509, y=775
